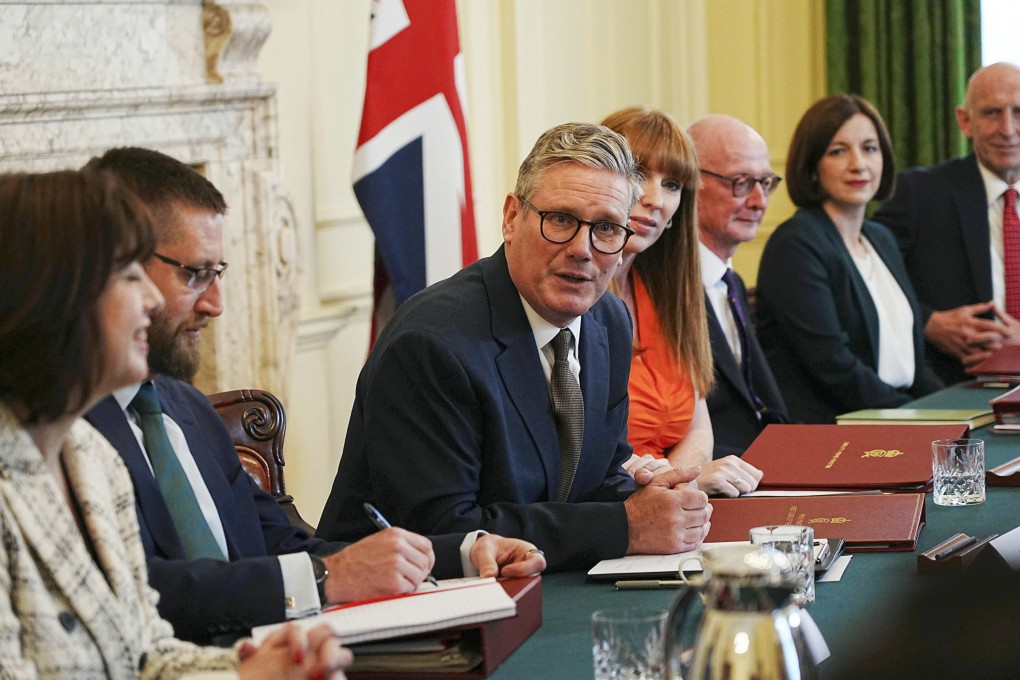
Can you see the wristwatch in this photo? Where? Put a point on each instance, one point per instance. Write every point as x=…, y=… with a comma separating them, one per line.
x=320, y=572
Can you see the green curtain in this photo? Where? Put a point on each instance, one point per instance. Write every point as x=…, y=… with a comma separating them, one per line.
x=911, y=58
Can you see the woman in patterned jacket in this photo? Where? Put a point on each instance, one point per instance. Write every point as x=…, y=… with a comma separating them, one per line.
x=74, y=314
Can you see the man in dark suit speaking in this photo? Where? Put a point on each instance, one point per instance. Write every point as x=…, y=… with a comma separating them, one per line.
x=497, y=399
x=220, y=551
x=957, y=225
x=733, y=195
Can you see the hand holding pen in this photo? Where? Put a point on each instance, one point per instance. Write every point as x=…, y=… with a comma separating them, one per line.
x=381, y=523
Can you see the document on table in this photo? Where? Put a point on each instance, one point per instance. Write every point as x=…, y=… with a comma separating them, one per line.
x=835, y=571
x=650, y=566
x=668, y=566
x=453, y=603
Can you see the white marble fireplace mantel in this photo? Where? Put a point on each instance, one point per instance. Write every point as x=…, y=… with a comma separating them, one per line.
x=179, y=76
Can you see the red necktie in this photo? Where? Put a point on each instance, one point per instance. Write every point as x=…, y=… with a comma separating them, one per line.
x=1011, y=255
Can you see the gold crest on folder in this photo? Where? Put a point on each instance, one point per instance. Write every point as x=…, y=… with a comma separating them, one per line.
x=882, y=453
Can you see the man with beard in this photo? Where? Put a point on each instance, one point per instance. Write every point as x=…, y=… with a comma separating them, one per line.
x=221, y=552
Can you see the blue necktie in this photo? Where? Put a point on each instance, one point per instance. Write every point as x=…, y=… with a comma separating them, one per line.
x=740, y=315
x=173, y=483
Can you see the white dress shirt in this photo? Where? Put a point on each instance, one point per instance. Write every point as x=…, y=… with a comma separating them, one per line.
x=896, y=360
x=544, y=332
x=712, y=270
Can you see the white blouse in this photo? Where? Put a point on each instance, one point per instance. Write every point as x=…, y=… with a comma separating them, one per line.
x=895, y=319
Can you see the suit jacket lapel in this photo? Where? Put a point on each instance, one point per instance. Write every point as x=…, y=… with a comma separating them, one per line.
x=860, y=290
x=520, y=368
x=111, y=421
x=594, y=357
x=972, y=214
x=725, y=363
x=900, y=274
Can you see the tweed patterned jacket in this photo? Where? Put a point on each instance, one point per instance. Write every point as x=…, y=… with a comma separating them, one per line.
x=64, y=614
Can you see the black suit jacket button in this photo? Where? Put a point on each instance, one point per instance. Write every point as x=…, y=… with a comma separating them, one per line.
x=67, y=620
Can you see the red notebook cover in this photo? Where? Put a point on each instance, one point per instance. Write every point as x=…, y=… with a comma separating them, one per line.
x=867, y=522
x=1005, y=362
x=498, y=639
x=1006, y=407
x=889, y=457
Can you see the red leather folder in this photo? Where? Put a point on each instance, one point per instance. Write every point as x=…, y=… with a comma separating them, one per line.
x=852, y=457
x=1005, y=363
x=497, y=639
x=867, y=522
x=1006, y=407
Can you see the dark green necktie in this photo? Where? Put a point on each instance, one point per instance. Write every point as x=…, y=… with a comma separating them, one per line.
x=191, y=526
x=568, y=406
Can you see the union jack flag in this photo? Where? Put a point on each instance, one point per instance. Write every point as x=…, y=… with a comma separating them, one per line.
x=411, y=173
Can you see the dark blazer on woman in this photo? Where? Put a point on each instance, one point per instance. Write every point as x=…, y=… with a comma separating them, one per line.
x=818, y=324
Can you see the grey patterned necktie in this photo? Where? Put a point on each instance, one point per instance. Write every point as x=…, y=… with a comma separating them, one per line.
x=568, y=405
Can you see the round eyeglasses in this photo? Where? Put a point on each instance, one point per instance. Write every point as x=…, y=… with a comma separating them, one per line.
x=742, y=185
x=560, y=227
x=197, y=279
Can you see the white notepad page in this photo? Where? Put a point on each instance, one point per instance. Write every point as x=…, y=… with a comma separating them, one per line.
x=455, y=602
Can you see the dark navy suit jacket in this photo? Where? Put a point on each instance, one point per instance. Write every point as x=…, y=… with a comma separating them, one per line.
x=206, y=599
x=452, y=427
x=818, y=324
x=735, y=422
x=940, y=218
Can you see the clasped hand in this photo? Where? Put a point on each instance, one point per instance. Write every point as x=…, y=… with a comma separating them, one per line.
x=668, y=515
x=290, y=652
x=962, y=332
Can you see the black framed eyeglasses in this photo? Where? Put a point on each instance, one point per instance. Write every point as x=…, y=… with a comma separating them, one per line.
x=742, y=185
x=197, y=279
x=560, y=227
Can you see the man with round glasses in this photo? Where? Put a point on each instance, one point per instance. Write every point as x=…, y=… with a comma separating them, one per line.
x=497, y=399
x=736, y=181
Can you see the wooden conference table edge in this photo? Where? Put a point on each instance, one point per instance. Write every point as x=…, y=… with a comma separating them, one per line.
x=844, y=611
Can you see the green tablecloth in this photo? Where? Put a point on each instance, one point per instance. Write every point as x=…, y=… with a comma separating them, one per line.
x=870, y=591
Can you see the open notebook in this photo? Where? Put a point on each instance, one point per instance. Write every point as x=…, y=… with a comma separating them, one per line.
x=454, y=602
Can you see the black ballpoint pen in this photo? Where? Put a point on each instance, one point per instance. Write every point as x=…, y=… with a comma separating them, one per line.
x=381, y=523
x=955, y=546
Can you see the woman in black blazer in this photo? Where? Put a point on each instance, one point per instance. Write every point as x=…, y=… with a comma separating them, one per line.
x=837, y=315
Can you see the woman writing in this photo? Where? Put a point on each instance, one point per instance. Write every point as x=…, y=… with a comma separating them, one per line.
x=659, y=279
x=837, y=316
x=74, y=314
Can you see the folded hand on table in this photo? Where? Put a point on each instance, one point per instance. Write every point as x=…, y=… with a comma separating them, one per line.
x=728, y=476
x=668, y=515
x=292, y=653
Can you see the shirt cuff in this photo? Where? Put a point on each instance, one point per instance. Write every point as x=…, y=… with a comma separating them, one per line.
x=465, y=552
x=299, y=589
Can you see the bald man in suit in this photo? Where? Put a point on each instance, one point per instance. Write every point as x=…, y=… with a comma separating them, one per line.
x=745, y=398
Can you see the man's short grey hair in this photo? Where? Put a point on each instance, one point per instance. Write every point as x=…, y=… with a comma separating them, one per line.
x=594, y=146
